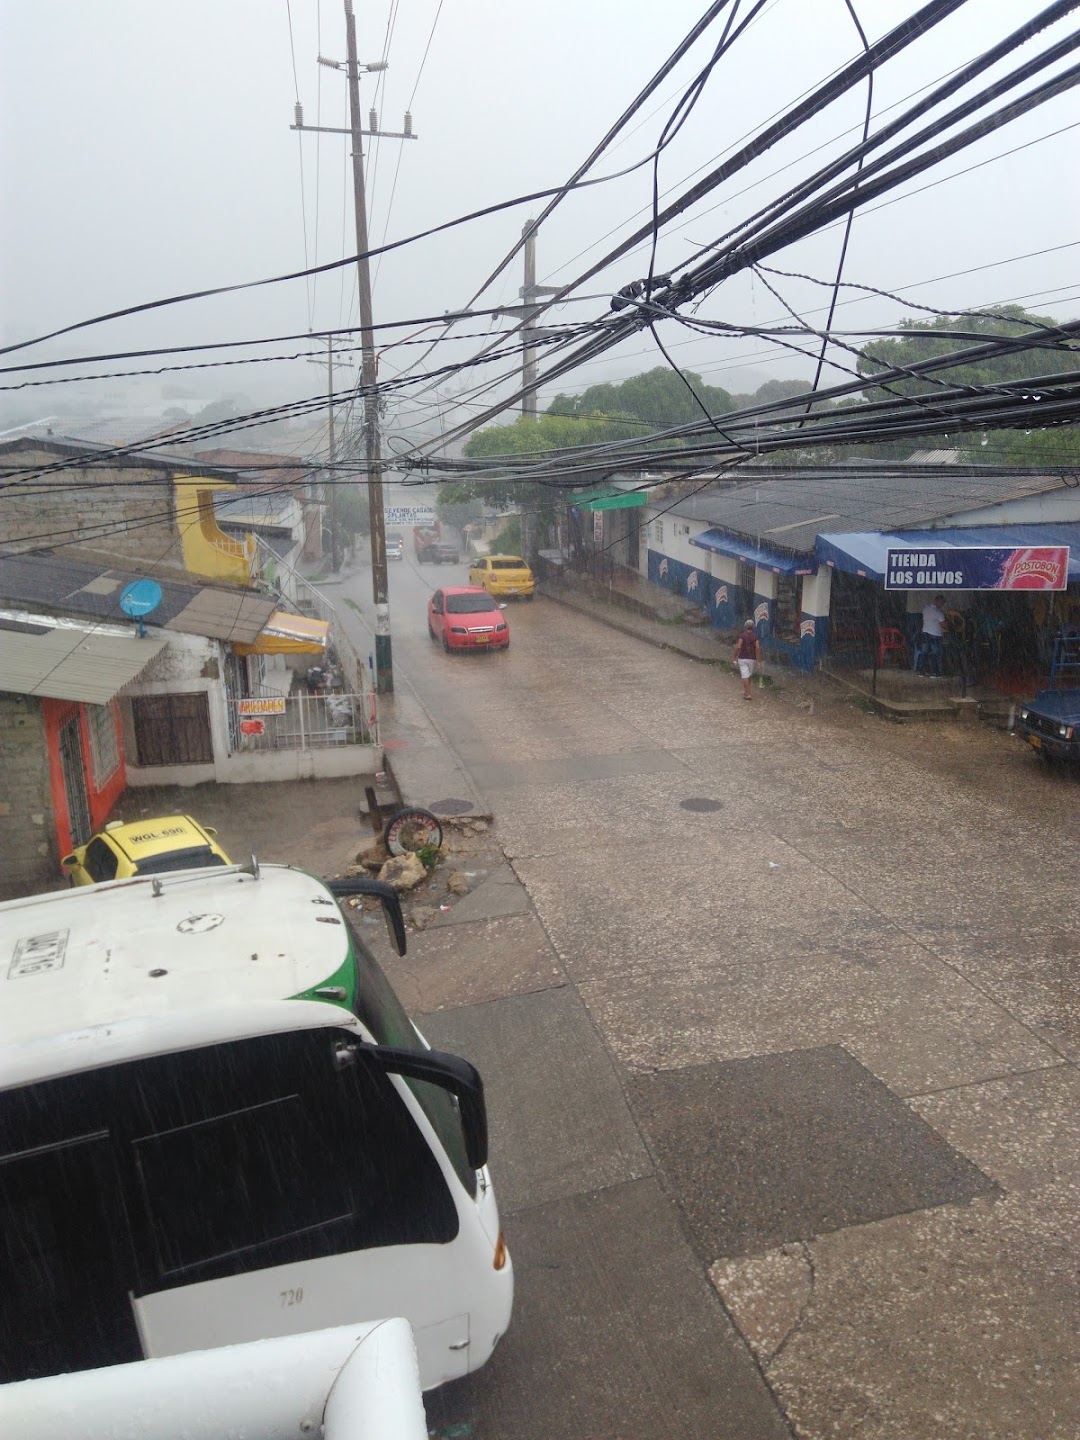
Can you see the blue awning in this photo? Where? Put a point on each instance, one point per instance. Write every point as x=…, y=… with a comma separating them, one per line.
x=864, y=552
x=721, y=543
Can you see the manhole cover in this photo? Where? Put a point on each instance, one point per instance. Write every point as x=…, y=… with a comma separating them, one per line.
x=451, y=807
x=699, y=802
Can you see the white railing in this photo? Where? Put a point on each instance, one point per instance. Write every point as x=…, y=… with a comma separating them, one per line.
x=303, y=722
x=309, y=600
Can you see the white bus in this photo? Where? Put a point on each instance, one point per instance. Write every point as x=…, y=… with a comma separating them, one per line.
x=218, y=1125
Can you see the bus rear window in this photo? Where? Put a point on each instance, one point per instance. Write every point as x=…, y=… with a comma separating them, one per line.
x=229, y=1158
x=271, y=1181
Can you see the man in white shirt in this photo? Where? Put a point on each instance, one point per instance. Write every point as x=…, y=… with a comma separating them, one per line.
x=933, y=628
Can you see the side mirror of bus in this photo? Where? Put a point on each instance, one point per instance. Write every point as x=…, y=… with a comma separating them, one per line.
x=449, y=1072
x=386, y=894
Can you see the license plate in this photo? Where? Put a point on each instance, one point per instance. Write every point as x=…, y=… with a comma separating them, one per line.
x=513, y=589
x=481, y=639
x=1035, y=741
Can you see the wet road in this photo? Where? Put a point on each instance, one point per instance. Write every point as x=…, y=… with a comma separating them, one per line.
x=782, y=1060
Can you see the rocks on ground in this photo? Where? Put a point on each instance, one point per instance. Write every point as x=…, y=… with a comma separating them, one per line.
x=403, y=872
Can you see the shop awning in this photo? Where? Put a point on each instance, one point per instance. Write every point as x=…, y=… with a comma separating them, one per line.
x=722, y=543
x=864, y=552
x=611, y=497
x=285, y=634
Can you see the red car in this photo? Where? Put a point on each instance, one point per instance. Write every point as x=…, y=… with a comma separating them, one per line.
x=464, y=617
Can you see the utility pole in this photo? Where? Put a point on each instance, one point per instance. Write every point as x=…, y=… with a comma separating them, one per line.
x=332, y=505
x=527, y=313
x=384, y=670
x=384, y=667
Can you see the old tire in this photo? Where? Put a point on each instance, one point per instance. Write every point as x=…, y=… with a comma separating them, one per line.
x=412, y=829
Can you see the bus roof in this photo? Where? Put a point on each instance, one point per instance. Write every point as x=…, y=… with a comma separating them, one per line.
x=112, y=961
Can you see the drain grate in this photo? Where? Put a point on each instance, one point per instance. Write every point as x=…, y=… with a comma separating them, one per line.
x=451, y=807
x=701, y=802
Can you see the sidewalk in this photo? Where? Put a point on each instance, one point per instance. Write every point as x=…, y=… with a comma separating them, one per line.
x=640, y=608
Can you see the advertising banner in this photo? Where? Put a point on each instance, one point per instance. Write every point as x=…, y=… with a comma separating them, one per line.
x=262, y=705
x=1035, y=567
x=408, y=515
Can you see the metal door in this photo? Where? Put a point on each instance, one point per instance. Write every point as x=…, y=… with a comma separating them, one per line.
x=74, y=773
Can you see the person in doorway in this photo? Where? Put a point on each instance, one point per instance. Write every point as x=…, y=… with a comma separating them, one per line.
x=933, y=630
x=747, y=655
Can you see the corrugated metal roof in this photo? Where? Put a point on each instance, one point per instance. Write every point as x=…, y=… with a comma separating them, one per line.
x=224, y=615
x=81, y=587
x=789, y=511
x=67, y=664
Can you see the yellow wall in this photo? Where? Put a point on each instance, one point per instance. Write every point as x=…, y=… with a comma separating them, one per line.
x=208, y=551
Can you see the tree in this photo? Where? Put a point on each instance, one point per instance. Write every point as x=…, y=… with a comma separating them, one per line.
x=1052, y=447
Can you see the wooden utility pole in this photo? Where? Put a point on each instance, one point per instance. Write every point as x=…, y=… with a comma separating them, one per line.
x=384, y=665
x=384, y=671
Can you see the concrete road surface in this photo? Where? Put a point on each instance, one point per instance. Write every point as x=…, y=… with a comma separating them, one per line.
x=781, y=1053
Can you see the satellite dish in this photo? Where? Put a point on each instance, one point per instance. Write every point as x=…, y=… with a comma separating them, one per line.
x=141, y=597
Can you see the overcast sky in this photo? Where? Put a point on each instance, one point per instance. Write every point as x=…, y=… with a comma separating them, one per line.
x=147, y=152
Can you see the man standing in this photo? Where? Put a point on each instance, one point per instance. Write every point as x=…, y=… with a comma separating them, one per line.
x=747, y=655
x=933, y=628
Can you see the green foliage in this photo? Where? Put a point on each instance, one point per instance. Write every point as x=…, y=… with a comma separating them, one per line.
x=1057, y=447
x=509, y=539
x=657, y=398
x=352, y=510
x=428, y=855
x=601, y=414
x=918, y=345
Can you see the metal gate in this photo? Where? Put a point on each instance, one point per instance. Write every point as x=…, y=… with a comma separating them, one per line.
x=74, y=772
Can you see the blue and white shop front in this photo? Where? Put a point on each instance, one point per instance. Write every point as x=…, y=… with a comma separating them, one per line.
x=733, y=579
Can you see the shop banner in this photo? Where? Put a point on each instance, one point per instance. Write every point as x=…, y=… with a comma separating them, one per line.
x=262, y=705
x=1036, y=567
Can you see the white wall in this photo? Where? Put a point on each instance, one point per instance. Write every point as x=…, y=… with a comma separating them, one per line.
x=1051, y=508
x=192, y=663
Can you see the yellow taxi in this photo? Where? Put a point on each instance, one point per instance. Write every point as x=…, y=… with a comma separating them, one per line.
x=503, y=575
x=145, y=847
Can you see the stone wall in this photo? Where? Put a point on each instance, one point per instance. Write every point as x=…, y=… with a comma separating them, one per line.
x=119, y=509
x=28, y=858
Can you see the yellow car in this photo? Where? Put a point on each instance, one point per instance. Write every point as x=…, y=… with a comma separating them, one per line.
x=503, y=575
x=145, y=847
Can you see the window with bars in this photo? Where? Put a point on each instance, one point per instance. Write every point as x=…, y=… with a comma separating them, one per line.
x=104, y=742
x=745, y=581
x=172, y=729
x=658, y=532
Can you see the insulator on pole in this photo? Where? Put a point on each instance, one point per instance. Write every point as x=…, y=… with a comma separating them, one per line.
x=298, y=114
x=408, y=122
x=373, y=119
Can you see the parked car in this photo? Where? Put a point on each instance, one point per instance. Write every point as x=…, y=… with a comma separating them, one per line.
x=438, y=552
x=1050, y=723
x=145, y=847
x=395, y=545
x=503, y=575
x=465, y=617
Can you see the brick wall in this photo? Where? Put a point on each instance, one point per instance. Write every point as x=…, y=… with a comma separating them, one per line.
x=128, y=511
x=28, y=859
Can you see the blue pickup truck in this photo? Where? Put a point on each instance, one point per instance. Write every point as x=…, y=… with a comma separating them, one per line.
x=1050, y=723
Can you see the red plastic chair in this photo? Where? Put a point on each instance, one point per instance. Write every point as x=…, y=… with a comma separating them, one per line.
x=891, y=642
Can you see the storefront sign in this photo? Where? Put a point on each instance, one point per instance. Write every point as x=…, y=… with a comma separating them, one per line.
x=1037, y=567
x=268, y=705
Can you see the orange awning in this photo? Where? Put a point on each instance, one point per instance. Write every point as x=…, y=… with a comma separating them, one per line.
x=285, y=634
